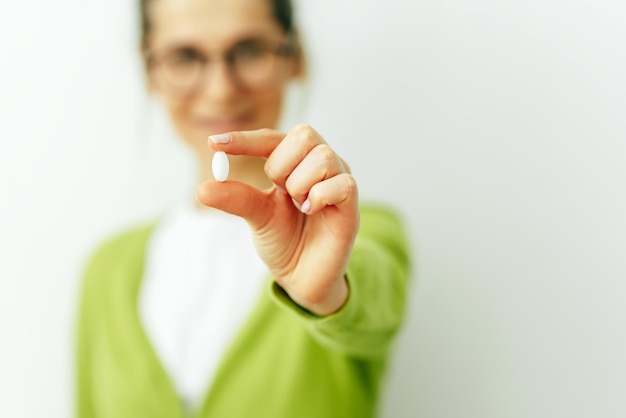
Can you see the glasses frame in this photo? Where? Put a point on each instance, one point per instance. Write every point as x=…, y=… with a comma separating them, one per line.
x=285, y=49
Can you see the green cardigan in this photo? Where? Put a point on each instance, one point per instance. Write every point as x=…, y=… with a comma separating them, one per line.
x=284, y=362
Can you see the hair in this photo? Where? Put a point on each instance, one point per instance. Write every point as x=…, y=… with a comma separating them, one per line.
x=281, y=9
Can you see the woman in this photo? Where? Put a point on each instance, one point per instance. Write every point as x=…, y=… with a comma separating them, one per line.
x=175, y=318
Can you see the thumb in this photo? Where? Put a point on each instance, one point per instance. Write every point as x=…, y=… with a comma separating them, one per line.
x=237, y=199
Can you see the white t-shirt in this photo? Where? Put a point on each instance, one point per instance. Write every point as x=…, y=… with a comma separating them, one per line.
x=203, y=277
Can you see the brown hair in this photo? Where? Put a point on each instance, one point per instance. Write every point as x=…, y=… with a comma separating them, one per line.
x=281, y=9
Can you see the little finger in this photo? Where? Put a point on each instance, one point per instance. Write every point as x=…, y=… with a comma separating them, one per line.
x=340, y=191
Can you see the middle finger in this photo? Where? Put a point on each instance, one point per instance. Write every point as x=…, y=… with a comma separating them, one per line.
x=320, y=163
x=290, y=152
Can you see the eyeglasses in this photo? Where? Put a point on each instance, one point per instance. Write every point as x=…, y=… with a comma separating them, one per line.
x=253, y=65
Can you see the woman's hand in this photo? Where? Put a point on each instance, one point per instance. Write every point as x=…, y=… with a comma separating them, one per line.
x=305, y=225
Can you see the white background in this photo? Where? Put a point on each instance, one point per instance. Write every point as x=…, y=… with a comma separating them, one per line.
x=497, y=128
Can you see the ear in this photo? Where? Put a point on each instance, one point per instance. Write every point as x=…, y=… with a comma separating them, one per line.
x=149, y=82
x=298, y=68
x=147, y=72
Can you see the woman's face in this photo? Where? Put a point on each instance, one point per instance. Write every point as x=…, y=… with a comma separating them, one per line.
x=213, y=29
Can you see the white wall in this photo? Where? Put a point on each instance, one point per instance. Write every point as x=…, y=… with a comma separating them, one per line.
x=497, y=129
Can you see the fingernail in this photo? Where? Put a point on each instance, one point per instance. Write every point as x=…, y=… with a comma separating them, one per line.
x=296, y=204
x=306, y=206
x=220, y=139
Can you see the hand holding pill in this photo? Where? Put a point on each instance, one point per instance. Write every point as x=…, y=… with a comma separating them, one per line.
x=305, y=225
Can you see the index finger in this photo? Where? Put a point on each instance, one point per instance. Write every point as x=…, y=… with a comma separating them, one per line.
x=259, y=143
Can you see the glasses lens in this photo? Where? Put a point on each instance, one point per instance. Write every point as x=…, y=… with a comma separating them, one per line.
x=253, y=65
x=181, y=69
x=257, y=65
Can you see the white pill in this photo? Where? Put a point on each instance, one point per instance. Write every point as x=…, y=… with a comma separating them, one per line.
x=220, y=166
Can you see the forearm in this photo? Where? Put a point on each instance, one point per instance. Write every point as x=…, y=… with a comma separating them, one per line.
x=377, y=278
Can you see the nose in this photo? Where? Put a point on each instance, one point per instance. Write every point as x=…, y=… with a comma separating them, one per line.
x=218, y=83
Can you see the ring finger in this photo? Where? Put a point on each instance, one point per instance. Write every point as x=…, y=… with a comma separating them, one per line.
x=320, y=164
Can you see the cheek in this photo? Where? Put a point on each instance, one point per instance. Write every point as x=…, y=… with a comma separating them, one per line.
x=268, y=108
x=180, y=114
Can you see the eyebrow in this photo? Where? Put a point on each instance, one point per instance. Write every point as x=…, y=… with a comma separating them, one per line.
x=264, y=35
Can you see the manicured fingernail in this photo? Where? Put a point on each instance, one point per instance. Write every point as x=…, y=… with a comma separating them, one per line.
x=296, y=204
x=220, y=139
x=306, y=206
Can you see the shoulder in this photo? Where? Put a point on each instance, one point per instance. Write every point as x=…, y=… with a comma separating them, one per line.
x=378, y=214
x=117, y=255
x=383, y=222
x=382, y=231
x=123, y=244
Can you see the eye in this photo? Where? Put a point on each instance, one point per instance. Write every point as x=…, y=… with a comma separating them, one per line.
x=181, y=67
x=249, y=51
x=181, y=56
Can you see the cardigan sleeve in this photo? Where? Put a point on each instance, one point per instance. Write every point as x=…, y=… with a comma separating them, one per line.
x=377, y=274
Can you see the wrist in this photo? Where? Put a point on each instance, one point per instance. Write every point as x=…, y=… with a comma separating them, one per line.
x=335, y=299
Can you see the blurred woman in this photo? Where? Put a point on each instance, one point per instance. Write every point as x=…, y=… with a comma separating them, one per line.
x=176, y=318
